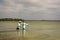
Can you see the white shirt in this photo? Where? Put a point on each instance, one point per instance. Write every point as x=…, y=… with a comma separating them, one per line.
x=24, y=25
x=19, y=24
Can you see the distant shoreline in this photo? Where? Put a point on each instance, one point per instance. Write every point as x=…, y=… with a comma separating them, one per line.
x=11, y=19
x=17, y=19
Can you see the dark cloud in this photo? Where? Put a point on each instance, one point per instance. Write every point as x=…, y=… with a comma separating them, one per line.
x=2, y=2
x=26, y=3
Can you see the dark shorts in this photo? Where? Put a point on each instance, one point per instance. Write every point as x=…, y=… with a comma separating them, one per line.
x=17, y=28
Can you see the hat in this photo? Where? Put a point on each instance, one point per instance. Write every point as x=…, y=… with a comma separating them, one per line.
x=19, y=21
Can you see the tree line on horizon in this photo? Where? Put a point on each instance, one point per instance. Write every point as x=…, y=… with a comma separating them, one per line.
x=17, y=19
x=11, y=19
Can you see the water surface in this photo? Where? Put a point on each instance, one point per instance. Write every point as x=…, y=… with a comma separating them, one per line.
x=37, y=30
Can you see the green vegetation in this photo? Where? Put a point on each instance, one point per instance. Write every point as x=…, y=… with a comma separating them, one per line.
x=17, y=19
x=11, y=19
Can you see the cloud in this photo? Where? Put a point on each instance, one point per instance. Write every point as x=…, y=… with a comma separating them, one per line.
x=1, y=1
x=30, y=9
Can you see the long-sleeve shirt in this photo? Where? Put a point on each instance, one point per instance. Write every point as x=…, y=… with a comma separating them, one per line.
x=19, y=25
x=24, y=25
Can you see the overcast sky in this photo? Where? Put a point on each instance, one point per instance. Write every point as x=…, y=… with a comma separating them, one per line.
x=30, y=9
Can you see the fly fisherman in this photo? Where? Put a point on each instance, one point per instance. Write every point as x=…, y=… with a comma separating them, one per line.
x=24, y=25
x=19, y=25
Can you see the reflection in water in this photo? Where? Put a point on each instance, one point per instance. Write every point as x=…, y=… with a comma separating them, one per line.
x=21, y=33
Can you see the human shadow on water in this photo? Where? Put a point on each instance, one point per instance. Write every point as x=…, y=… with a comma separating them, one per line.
x=7, y=31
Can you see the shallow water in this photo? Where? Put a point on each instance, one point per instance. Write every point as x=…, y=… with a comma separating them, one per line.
x=37, y=30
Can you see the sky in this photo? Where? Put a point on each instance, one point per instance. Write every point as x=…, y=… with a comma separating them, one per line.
x=30, y=9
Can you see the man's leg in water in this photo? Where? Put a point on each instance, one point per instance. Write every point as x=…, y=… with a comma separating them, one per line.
x=23, y=28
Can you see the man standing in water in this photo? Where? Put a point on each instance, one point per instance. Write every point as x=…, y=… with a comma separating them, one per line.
x=24, y=25
x=19, y=25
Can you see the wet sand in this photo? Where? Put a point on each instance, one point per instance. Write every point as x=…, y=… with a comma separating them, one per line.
x=37, y=30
